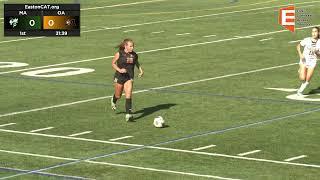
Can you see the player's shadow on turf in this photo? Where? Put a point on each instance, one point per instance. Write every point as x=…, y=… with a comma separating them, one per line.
x=150, y=110
x=315, y=91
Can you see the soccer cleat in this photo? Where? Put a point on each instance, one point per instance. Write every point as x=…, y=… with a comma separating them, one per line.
x=129, y=117
x=113, y=105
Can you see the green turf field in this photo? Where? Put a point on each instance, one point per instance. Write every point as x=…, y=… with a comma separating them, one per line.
x=209, y=66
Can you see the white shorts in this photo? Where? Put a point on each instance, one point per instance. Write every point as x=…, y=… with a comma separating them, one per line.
x=308, y=63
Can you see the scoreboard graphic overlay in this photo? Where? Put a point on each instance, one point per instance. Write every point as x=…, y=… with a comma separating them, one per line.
x=41, y=19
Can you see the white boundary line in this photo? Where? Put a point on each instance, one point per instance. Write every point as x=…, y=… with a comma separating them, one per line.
x=204, y=147
x=9, y=124
x=154, y=50
x=163, y=21
x=166, y=149
x=120, y=138
x=42, y=129
x=145, y=90
x=247, y=153
x=213, y=35
x=78, y=134
x=290, y=42
x=119, y=5
x=71, y=138
x=295, y=158
x=157, y=32
x=117, y=165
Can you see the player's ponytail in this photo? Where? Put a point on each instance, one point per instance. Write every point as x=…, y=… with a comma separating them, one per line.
x=121, y=46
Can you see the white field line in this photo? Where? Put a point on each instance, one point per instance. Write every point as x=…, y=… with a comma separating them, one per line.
x=290, y=42
x=234, y=157
x=247, y=153
x=130, y=30
x=120, y=138
x=191, y=17
x=116, y=165
x=71, y=138
x=23, y=39
x=9, y=124
x=183, y=34
x=205, y=147
x=184, y=11
x=78, y=134
x=295, y=158
x=157, y=32
x=119, y=5
x=213, y=35
x=42, y=129
x=163, y=21
x=267, y=39
x=146, y=90
x=154, y=50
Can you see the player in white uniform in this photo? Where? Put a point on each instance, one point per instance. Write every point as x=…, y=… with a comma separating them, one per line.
x=308, y=58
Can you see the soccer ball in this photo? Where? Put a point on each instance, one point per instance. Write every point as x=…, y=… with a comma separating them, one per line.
x=158, y=122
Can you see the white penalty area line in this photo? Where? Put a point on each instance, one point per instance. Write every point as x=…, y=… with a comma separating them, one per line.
x=145, y=90
x=247, y=153
x=113, y=164
x=266, y=39
x=295, y=158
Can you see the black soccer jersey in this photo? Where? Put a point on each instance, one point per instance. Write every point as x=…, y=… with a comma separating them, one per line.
x=127, y=61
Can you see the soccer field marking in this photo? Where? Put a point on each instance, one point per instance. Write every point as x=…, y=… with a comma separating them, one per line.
x=155, y=50
x=120, y=138
x=23, y=39
x=137, y=147
x=204, y=147
x=130, y=30
x=234, y=157
x=266, y=39
x=290, y=42
x=79, y=134
x=250, y=152
x=45, y=174
x=191, y=17
x=42, y=129
x=70, y=138
x=9, y=124
x=157, y=32
x=145, y=90
x=119, y=5
x=183, y=11
x=162, y=21
x=183, y=34
x=111, y=164
x=295, y=158
x=212, y=35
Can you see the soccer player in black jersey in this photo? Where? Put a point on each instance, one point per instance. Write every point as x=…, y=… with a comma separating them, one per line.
x=124, y=62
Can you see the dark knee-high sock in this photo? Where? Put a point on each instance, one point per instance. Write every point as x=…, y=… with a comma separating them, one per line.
x=114, y=99
x=128, y=106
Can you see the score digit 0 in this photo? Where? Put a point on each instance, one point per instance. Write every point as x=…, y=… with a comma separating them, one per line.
x=51, y=22
x=32, y=22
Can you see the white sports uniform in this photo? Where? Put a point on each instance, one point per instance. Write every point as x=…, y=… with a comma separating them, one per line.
x=309, y=52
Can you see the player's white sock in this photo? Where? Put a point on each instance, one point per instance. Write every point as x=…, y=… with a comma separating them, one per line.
x=303, y=87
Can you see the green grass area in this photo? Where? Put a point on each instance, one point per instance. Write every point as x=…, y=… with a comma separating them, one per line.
x=213, y=91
